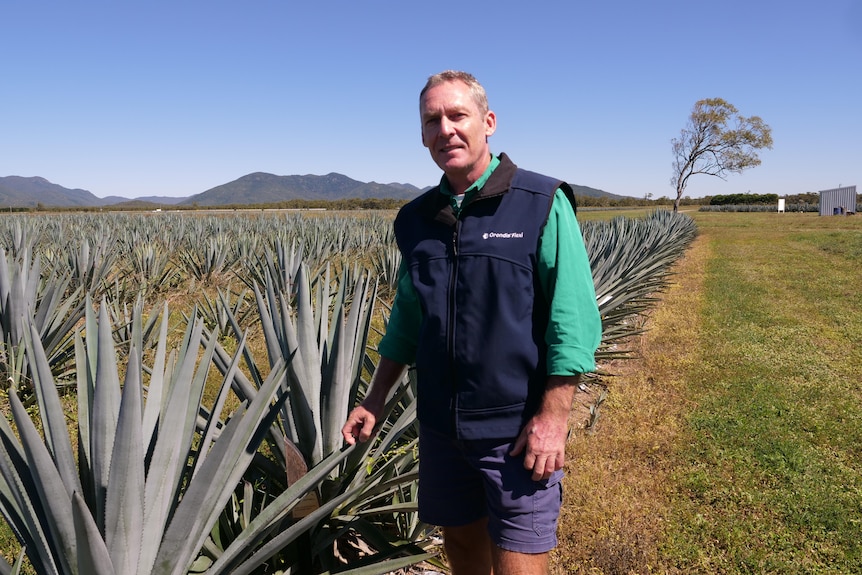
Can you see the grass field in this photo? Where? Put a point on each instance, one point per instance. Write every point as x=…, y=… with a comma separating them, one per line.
x=733, y=444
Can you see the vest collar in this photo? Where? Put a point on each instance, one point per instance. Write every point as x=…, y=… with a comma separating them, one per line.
x=499, y=181
x=438, y=207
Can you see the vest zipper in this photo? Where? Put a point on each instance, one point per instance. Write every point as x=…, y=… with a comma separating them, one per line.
x=450, y=329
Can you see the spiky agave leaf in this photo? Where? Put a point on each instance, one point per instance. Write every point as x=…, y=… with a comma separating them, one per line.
x=105, y=413
x=211, y=488
x=93, y=557
x=308, y=348
x=171, y=445
x=52, y=495
x=244, y=550
x=124, y=501
x=342, y=367
x=53, y=416
x=20, y=502
x=156, y=392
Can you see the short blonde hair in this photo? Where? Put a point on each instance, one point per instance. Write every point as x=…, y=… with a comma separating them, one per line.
x=476, y=90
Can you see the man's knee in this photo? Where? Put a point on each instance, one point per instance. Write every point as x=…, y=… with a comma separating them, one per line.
x=468, y=548
x=468, y=537
x=511, y=562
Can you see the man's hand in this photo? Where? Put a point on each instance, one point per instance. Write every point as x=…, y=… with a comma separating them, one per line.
x=543, y=442
x=361, y=421
x=543, y=438
x=360, y=425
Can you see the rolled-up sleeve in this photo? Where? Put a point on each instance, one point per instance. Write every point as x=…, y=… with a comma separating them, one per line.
x=574, y=327
x=402, y=332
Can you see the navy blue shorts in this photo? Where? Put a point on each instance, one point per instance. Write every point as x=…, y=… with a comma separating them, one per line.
x=463, y=481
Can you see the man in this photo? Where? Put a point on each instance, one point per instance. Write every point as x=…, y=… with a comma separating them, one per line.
x=496, y=307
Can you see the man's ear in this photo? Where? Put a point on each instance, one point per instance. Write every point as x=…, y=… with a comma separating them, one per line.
x=490, y=124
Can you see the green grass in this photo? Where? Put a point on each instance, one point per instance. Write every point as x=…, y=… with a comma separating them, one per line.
x=770, y=474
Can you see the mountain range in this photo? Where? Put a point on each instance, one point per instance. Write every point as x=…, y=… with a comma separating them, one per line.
x=254, y=188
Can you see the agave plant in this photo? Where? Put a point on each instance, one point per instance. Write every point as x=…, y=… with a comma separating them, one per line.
x=375, y=483
x=210, y=257
x=218, y=313
x=387, y=262
x=151, y=479
x=30, y=294
x=91, y=265
x=279, y=263
x=371, y=494
x=19, y=235
x=151, y=265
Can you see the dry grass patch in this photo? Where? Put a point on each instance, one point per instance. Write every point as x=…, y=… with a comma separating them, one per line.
x=617, y=480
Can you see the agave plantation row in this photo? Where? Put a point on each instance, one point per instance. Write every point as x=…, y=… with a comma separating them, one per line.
x=141, y=439
x=811, y=208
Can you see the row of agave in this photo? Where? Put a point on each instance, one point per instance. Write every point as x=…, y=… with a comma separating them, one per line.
x=182, y=468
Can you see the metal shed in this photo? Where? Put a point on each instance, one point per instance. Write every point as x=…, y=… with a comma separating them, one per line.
x=838, y=201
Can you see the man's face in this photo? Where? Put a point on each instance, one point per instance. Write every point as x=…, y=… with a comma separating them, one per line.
x=456, y=131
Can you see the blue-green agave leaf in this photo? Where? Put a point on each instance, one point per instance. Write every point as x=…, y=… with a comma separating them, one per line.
x=124, y=505
x=91, y=554
x=52, y=492
x=54, y=426
x=241, y=555
x=212, y=486
x=106, y=409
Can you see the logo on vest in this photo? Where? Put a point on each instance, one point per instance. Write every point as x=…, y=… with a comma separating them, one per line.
x=502, y=235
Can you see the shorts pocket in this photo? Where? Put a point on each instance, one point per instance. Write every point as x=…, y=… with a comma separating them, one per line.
x=547, y=502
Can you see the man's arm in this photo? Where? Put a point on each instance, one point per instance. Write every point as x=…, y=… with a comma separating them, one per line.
x=397, y=350
x=361, y=421
x=573, y=334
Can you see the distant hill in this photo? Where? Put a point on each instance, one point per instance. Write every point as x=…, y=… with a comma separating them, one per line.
x=18, y=192
x=255, y=188
x=167, y=200
x=263, y=188
x=594, y=193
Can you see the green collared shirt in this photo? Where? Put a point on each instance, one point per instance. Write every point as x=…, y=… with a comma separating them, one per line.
x=574, y=325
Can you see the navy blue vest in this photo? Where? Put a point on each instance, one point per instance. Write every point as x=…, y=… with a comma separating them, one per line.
x=481, y=351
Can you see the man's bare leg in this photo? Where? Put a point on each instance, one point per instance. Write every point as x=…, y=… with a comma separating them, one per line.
x=511, y=563
x=468, y=548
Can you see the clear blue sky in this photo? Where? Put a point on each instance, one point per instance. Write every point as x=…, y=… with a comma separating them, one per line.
x=173, y=98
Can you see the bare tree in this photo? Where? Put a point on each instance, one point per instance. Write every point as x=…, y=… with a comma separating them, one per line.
x=716, y=141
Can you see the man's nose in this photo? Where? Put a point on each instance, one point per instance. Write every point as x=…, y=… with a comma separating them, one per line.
x=447, y=127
